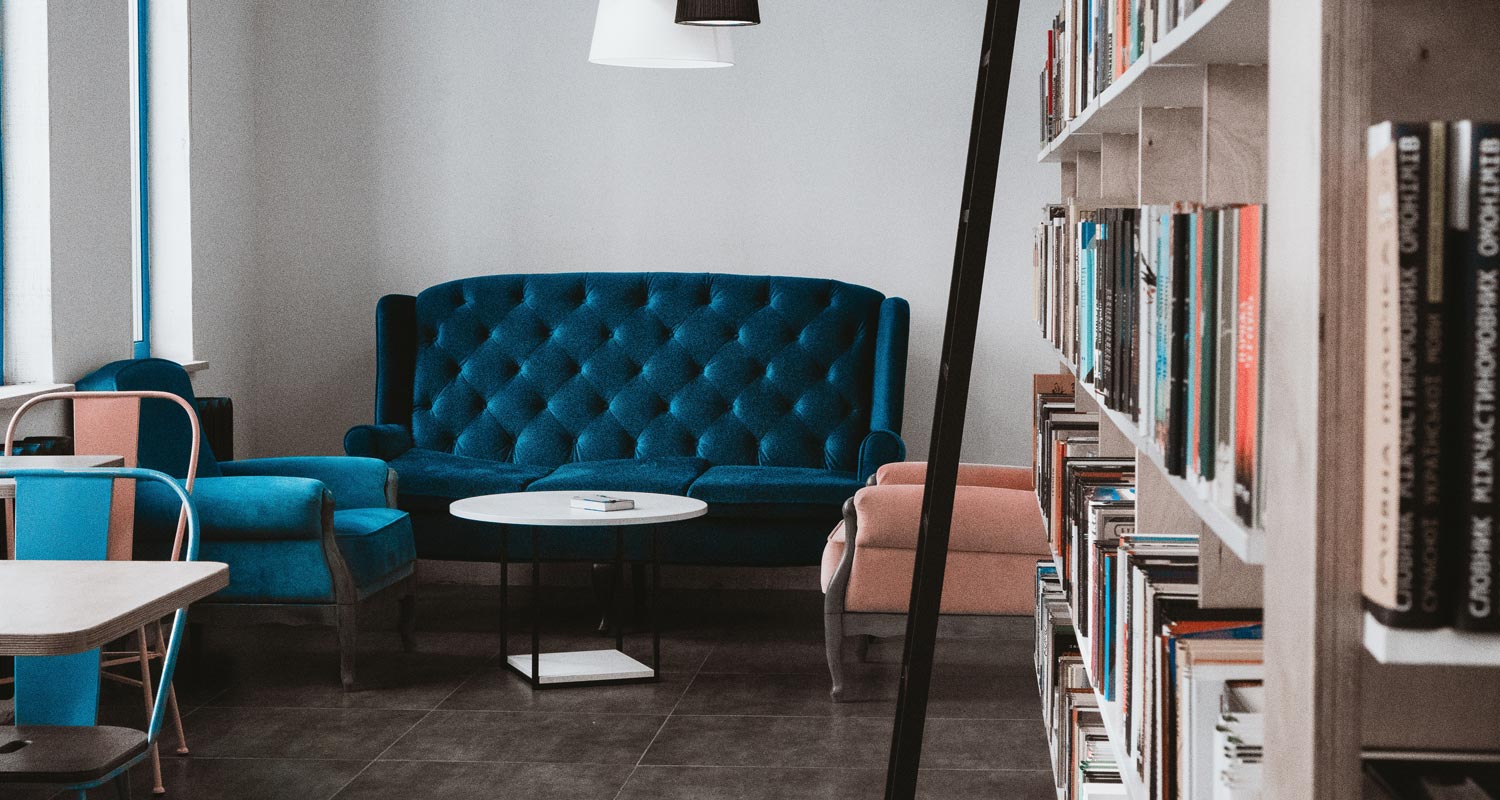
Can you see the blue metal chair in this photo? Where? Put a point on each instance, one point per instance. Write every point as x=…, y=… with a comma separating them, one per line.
x=63, y=515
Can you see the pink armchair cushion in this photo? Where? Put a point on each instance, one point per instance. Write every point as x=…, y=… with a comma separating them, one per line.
x=992, y=475
x=985, y=520
x=975, y=583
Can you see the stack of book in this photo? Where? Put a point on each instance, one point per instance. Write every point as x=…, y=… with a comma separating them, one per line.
x=1083, y=760
x=1432, y=370
x=1157, y=664
x=1092, y=43
x=1158, y=308
x=1240, y=741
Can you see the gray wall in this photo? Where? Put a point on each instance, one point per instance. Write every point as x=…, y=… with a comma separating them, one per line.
x=397, y=145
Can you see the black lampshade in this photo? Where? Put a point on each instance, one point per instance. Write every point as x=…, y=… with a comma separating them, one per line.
x=718, y=12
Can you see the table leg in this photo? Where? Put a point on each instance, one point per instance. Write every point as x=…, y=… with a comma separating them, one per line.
x=536, y=608
x=618, y=589
x=504, y=593
x=655, y=592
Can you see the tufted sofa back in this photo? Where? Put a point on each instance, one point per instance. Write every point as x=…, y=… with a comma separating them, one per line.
x=547, y=369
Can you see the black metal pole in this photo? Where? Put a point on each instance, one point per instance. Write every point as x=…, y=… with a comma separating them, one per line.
x=970, y=253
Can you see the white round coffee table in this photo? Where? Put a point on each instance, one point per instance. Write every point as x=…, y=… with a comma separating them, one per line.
x=542, y=511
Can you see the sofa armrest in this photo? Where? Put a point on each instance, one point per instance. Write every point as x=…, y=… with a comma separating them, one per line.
x=238, y=508
x=385, y=442
x=888, y=402
x=354, y=482
x=879, y=447
x=991, y=475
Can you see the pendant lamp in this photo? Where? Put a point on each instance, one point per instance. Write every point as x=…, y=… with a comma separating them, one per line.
x=718, y=12
x=641, y=33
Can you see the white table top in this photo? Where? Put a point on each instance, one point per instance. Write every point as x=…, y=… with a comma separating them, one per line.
x=552, y=509
x=8, y=485
x=59, y=607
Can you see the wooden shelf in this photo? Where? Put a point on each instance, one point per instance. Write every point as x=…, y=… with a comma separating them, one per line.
x=1169, y=75
x=1247, y=544
x=1443, y=646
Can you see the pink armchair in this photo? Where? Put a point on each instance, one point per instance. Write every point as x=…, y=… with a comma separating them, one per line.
x=996, y=540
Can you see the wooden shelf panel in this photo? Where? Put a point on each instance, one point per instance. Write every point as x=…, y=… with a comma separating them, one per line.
x=1247, y=544
x=1170, y=74
x=1444, y=646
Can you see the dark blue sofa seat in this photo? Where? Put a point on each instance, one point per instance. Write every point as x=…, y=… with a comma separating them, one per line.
x=770, y=398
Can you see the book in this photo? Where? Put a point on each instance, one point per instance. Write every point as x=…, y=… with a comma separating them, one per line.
x=1476, y=195
x=600, y=502
x=1403, y=382
x=1247, y=374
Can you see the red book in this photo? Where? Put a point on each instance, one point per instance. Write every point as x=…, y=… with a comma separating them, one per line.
x=1247, y=365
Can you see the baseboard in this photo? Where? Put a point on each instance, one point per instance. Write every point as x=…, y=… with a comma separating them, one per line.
x=672, y=576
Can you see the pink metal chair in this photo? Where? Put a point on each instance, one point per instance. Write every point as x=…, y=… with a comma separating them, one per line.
x=108, y=423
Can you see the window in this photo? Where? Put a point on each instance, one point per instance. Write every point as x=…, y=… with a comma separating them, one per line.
x=140, y=96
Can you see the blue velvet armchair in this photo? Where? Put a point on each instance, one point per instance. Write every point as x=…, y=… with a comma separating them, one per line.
x=770, y=398
x=306, y=538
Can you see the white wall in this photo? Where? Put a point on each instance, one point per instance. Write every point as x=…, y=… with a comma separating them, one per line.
x=399, y=144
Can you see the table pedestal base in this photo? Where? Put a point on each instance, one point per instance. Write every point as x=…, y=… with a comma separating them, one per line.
x=587, y=666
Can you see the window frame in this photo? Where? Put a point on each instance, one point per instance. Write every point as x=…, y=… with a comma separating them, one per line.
x=141, y=179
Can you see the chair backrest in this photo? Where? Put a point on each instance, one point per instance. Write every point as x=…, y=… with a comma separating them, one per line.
x=110, y=423
x=164, y=443
x=64, y=515
x=734, y=369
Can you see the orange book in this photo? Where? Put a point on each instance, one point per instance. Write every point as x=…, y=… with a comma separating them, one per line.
x=1247, y=365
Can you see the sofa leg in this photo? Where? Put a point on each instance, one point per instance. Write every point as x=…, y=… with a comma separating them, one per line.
x=862, y=647
x=833, y=643
x=348, y=624
x=408, y=624
x=604, y=580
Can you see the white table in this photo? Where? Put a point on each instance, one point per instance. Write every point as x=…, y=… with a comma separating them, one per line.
x=549, y=510
x=59, y=607
x=8, y=485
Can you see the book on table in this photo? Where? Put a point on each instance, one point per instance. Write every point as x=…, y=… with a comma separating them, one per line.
x=601, y=502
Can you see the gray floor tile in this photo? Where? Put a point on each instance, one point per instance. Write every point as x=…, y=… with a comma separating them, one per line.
x=790, y=695
x=510, y=736
x=753, y=783
x=771, y=742
x=328, y=733
x=946, y=784
x=244, y=779
x=742, y=652
x=403, y=780
x=416, y=681
x=994, y=744
x=497, y=688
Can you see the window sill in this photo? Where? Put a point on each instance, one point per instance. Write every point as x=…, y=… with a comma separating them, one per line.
x=11, y=397
x=194, y=367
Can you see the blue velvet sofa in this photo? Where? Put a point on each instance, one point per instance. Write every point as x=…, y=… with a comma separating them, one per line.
x=306, y=538
x=770, y=398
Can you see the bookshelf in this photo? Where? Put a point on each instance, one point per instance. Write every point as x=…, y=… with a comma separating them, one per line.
x=1268, y=101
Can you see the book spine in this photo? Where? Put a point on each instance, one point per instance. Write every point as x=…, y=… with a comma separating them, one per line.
x=1437, y=553
x=1176, y=415
x=1207, y=335
x=1247, y=367
x=1395, y=438
x=1478, y=609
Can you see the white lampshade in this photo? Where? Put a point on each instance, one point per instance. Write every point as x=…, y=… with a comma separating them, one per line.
x=643, y=33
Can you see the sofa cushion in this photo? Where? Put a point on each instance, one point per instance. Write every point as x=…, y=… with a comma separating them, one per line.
x=549, y=369
x=376, y=544
x=271, y=571
x=429, y=479
x=753, y=488
x=660, y=475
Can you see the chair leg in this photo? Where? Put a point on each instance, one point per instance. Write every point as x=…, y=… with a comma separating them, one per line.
x=833, y=643
x=176, y=711
x=122, y=786
x=145, y=657
x=408, y=622
x=348, y=623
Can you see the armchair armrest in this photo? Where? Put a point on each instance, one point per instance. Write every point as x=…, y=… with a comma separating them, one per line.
x=879, y=447
x=384, y=442
x=991, y=475
x=354, y=482
x=238, y=508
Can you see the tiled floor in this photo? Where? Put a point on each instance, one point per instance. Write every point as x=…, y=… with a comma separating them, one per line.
x=742, y=713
